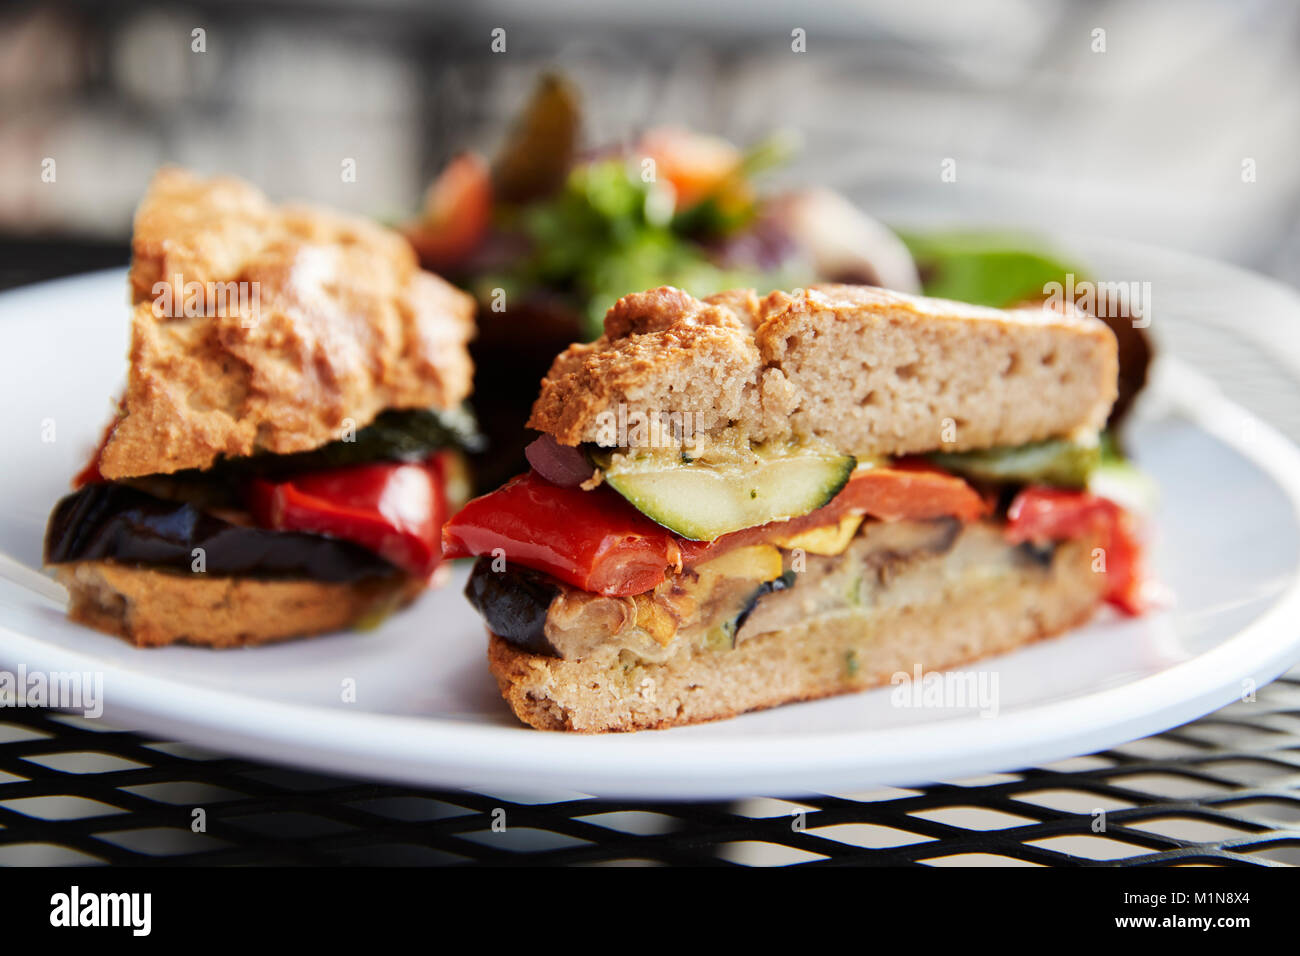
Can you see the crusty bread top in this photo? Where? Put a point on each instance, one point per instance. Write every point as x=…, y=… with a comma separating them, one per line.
x=873, y=372
x=342, y=325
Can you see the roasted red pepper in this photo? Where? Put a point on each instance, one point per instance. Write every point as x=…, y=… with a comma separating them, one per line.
x=593, y=540
x=1054, y=514
x=394, y=509
x=89, y=475
x=910, y=489
x=597, y=541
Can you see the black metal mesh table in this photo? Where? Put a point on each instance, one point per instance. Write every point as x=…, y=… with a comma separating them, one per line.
x=1222, y=790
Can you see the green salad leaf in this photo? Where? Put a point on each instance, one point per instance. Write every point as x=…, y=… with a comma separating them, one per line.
x=394, y=435
x=996, y=269
x=606, y=233
x=1067, y=464
x=408, y=434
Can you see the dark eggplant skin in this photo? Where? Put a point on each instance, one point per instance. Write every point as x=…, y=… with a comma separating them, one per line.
x=113, y=522
x=732, y=627
x=514, y=603
x=767, y=587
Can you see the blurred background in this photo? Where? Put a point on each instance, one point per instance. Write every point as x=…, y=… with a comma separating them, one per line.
x=1172, y=123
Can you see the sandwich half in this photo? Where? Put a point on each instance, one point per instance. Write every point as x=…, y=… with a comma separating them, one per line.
x=739, y=502
x=286, y=448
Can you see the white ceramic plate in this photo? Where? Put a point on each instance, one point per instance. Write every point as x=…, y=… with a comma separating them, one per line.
x=1227, y=546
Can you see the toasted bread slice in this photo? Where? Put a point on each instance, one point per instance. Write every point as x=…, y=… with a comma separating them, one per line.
x=826, y=656
x=153, y=608
x=871, y=371
x=258, y=327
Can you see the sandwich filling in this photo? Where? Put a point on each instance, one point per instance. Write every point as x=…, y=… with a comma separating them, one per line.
x=368, y=505
x=599, y=552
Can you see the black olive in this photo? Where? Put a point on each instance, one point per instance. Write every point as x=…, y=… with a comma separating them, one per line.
x=1037, y=554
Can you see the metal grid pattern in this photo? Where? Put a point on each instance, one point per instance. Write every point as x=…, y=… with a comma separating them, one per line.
x=1222, y=790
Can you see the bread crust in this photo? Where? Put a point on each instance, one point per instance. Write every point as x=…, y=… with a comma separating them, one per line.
x=872, y=371
x=326, y=321
x=153, y=608
x=801, y=663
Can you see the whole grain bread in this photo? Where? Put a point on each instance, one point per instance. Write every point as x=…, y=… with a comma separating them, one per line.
x=826, y=656
x=873, y=372
x=152, y=608
x=258, y=327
